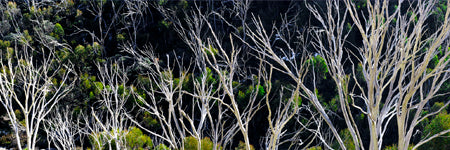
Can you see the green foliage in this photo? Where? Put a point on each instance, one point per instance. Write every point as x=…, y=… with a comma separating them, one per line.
x=91, y=95
x=346, y=138
x=315, y=148
x=12, y=10
x=359, y=72
x=210, y=79
x=80, y=51
x=318, y=64
x=9, y=52
x=120, y=37
x=439, y=123
x=97, y=141
x=97, y=48
x=11, y=5
x=333, y=104
x=25, y=38
x=436, y=106
x=134, y=139
x=162, y=2
x=90, y=85
x=433, y=63
x=395, y=147
x=261, y=90
x=349, y=27
x=165, y=24
x=4, y=44
x=85, y=79
x=58, y=29
x=183, y=4
x=360, y=4
x=242, y=146
x=297, y=101
x=240, y=29
x=241, y=95
x=191, y=143
x=98, y=87
x=79, y=13
x=84, y=56
x=18, y=114
x=361, y=116
x=162, y=147
x=148, y=120
x=63, y=54
x=137, y=140
x=211, y=51
x=441, y=8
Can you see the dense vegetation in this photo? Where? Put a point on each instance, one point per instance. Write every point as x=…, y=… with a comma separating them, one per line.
x=224, y=74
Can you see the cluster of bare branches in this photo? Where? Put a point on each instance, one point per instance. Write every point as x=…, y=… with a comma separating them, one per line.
x=396, y=51
x=32, y=81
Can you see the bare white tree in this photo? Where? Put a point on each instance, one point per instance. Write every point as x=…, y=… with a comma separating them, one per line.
x=207, y=45
x=395, y=55
x=107, y=125
x=28, y=86
x=133, y=18
x=197, y=30
x=31, y=80
x=62, y=129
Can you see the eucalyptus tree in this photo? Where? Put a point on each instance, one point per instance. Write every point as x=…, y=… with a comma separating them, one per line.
x=32, y=79
x=397, y=50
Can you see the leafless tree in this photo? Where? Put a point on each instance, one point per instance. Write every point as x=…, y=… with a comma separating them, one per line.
x=107, y=125
x=397, y=49
x=62, y=129
x=210, y=53
x=134, y=18
x=31, y=79
x=29, y=87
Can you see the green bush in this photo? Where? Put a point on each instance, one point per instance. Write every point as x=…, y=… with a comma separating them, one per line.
x=319, y=65
x=395, y=147
x=134, y=139
x=162, y=147
x=242, y=146
x=315, y=148
x=137, y=140
x=211, y=51
x=58, y=29
x=97, y=141
x=80, y=51
x=191, y=143
x=439, y=123
x=346, y=138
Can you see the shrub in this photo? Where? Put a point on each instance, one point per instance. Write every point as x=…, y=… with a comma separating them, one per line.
x=241, y=146
x=58, y=29
x=438, y=123
x=191, y=143
x=137, y=140
x=162, y=147
x=315, y=148
x=395, y=147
